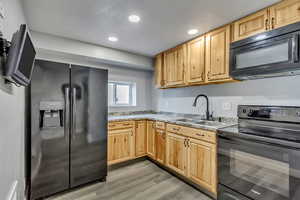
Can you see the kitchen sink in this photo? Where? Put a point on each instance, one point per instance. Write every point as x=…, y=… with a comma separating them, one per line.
x=201, y=122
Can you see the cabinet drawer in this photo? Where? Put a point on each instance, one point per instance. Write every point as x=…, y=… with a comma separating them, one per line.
x=160, y=125
x=196, y=133
x=120, y=125
x=208, y=136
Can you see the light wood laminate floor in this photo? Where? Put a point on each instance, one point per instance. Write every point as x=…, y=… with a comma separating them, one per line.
x=139, y=181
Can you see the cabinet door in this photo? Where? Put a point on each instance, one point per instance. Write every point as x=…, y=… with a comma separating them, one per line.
x=284, y=13
x=174, y=62
x=159, y=71
x=196, y=61
x=176, y=153
x=140, y=138
x=120, y=145
x=217, y=54
x=251, y=25
x=151, y=139
x=202, y=164
x=160, y=146
x=170, y=63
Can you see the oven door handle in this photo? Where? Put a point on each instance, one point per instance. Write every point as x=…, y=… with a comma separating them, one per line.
x=254, y=138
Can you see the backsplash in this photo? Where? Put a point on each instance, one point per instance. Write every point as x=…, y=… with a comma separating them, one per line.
x=224, y=98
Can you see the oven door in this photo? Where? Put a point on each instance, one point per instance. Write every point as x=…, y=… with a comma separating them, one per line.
x=264, y=58
x=259, y=170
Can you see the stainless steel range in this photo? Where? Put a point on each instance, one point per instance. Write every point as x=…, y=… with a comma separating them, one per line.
x=259, y=159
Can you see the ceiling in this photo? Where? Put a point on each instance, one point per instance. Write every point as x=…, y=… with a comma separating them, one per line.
x=164, y=23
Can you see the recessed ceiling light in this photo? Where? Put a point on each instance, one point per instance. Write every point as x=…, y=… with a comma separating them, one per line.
x=113, y=39
x=134, y=18
x=193, y=31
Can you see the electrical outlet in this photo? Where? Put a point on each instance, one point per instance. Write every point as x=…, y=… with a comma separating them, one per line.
x=226, y=106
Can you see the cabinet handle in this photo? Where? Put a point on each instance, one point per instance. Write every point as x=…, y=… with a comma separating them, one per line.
x=273, y=22
x=127, y=124
x=184, y=142
x=176, y=129
x=208, y=75
x=188, y=143
x=200, y=134
x=202, y=76
x=267, y=24
x=114, y=140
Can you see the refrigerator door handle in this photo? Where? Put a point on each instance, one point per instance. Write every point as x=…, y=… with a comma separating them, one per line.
x=66, y=115
x=74, y=113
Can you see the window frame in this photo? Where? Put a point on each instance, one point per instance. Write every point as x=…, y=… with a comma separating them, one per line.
x=114, y=94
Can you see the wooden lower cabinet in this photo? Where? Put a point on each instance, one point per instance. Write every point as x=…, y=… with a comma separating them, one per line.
x=141, y=138
x=193, y=158
x=120, y=145
x=176, y=153
x=151, y=151
x=202, y=164
x=160, y=146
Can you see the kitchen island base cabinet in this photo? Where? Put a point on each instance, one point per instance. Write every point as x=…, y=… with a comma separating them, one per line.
x=120, y=145
x=176, y=153
x=202, y=164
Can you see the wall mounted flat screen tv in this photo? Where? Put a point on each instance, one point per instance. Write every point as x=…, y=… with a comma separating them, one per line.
x=20, y=58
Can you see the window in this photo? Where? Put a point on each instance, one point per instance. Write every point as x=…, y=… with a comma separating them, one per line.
x=121, y=94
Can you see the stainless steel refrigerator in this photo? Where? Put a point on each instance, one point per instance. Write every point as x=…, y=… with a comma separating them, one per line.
x=68, y=127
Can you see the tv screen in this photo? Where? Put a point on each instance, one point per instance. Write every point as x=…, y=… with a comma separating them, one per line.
x=21, y=57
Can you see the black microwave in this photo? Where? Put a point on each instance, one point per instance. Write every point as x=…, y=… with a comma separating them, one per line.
x=271, y=54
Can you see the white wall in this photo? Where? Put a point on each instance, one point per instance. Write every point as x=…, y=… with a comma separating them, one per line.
x=142, y=78
x=11, y=116
x=45, y=42
x=274, y=91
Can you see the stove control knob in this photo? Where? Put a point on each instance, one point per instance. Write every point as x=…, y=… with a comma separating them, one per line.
x=244, y=110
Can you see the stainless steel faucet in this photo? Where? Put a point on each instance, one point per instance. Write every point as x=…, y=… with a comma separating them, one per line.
x=207, y=104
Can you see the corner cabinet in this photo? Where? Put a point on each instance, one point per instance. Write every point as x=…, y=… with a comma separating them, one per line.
x=151, y=149
x=160, y=145
x=141, y=138
x=174, y=63
x=217, y=54
x=195, y=73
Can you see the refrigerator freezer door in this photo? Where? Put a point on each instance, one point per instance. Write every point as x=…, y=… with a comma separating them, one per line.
x=88, y=125
x=49, y=128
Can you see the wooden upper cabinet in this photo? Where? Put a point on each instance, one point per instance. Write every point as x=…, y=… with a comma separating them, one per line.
x=284, y=13
x=141, y=138
x=176, y=153
x=251, y=25
x=174, y=63
x=159, y=71
x=217, y=54
x=151, y=151
x=196, y=61
x=202, y=167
